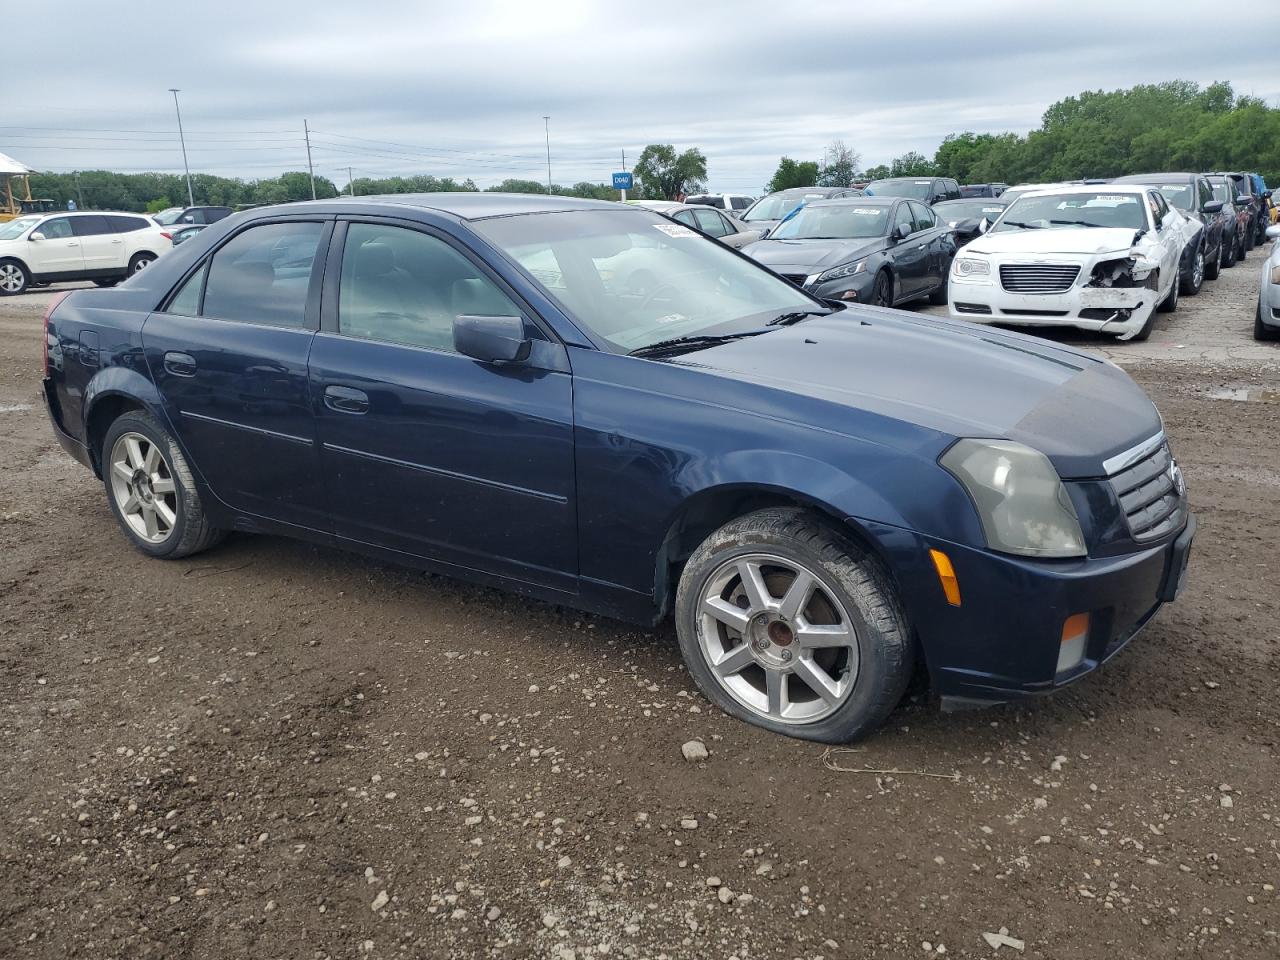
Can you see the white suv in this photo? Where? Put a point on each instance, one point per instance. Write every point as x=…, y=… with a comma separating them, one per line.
x=51, y=248
x=731, y=203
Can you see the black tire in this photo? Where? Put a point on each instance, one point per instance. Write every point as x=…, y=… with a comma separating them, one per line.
x=1213, y=266
x=1260, y=331
x=939, y=296
x=1170, y=302
x=1229, y=252
x=1248, y=239
x=106, y=283
x=14, y=278
x=882, y=290
x=191, y=531
x=856, y=580
x=140, y=261
x=1192, y=281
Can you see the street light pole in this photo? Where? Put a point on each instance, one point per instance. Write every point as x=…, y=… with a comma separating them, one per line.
x=547, y=121
x=191, y=198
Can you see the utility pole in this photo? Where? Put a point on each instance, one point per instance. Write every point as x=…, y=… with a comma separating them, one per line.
x=351, y=183
x=624, y=167
x=79, y=195
x=306, y=133
x=191, y=198
x=547, y=121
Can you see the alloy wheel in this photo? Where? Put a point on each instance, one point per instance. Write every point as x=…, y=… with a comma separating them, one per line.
x=12, y=279
x=777, y=638
x=1197, y=270
x=141, y=263
x=143, y=486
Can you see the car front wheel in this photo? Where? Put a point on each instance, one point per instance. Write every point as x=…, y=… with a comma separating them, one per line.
x=14, y=278
x=788, y=625
x=151, y=490
x=1192, y=280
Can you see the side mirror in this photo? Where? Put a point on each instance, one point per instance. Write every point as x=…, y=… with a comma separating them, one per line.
x=901, y=232
x=36, y=235
x=1213, y=206
x=765, y=232
x=984, y=225
x=1273, y=231
x=1243, y=200
x=491, y=339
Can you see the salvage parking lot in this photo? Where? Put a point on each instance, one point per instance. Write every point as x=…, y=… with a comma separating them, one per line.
x=292, y=751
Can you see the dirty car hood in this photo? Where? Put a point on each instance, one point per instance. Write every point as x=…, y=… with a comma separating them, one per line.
x=1084, y=240
x=954, y=378
x=811, y=255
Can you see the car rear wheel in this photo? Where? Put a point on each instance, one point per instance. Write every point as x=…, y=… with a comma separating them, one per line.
x=1193, y=280
x=1229, y=252
x=14, y=278
x=790, y=626
x=140, y=262
x=151, y=490
x=1260, y=330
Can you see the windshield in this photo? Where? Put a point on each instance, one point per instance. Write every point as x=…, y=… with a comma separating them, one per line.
x=969, y=209
x=635, y=279
x=779, y=205
x=15, y=228
x=1178, y=194
x=166, y=217
x=1062, y=210
x=834, y=222
x=912, y=189
x=1221, y=191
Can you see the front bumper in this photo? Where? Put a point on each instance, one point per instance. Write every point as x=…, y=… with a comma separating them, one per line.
x=1004, y=640
x=1118, y=310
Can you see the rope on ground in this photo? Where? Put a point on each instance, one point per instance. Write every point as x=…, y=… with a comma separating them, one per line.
x=831, y=764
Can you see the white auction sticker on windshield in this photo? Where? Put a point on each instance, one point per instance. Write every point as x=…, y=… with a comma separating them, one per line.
x=671, y=318
x=674, y=230
x=1121, y=198
x=868, y=211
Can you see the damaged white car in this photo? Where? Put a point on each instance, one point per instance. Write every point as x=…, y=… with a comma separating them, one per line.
x=1102, y=258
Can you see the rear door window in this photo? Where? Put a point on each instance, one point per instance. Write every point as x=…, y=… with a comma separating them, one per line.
x=262, y=275
x=126, y=224
x=90, y=226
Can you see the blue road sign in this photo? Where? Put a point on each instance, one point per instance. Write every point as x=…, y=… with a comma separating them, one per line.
x=622, y=181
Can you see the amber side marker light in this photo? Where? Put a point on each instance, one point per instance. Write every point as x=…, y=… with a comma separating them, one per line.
x=1075, y=635
x=946, y=576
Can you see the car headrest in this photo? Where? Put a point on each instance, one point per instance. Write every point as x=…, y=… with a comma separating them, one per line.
x=375, y=259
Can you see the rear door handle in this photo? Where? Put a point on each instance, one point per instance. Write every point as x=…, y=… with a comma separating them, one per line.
x=346, y=399
x=117, y=240
x=180, y=364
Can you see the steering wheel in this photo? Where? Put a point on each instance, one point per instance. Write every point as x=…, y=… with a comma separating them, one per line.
x=653, y=294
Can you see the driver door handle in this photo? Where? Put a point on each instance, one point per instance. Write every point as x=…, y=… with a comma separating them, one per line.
x=342, y=399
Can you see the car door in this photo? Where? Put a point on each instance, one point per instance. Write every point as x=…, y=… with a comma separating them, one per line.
x=1167, y=226
x=714, y=224
x=428, y=452
x=911, y=255
x=57, y=251
x=228, y=354
x=101, y=247
x=937, y=245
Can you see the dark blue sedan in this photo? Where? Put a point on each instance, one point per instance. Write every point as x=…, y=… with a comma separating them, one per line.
x=823, y=496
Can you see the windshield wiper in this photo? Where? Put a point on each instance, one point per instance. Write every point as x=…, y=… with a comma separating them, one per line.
x=1024, y=226
x=795, y=316
x=1076, y=223
x=684, y=344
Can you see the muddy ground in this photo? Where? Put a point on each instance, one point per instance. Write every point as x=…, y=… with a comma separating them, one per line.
x=276, y=750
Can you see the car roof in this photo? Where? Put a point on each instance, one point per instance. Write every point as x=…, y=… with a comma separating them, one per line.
x=810, y=191
x=857, y=202
x=928, y=176
x=943, y=203
x=1156, y=177
x=1133, y=188
x=464, y=205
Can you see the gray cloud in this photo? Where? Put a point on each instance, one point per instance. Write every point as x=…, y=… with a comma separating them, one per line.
x=461, y=89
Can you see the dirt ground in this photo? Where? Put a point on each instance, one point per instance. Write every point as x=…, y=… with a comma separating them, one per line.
x=276, y=750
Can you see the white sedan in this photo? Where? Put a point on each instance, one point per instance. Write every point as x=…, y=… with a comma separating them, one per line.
x=1101, y=258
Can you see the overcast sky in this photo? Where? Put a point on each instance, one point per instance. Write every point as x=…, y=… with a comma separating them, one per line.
x=462, y=88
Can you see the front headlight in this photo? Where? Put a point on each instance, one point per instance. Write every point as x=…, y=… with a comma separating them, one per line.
x=848, y=270
x=1275, y=273
x=969, y=267
x=1021, y=501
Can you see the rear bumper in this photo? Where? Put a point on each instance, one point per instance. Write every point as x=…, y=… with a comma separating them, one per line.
x=1004, y=640
x=65, y=440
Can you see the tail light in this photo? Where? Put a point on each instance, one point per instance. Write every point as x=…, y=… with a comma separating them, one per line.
x=167, y=236
x=53, y=305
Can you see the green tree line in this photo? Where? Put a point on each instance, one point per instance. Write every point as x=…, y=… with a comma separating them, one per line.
x=1150, y=128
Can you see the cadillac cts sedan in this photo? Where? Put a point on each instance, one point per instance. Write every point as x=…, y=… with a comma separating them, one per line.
x=823, y=496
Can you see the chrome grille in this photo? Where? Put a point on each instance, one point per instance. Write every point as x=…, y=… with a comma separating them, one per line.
x=1151, y=492
x=1038, y=277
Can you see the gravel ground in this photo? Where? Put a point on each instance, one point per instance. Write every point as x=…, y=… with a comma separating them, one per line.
x=276, y=750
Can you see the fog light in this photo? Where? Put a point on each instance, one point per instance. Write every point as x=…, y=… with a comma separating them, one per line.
x=1075, y=635
x=946, y=577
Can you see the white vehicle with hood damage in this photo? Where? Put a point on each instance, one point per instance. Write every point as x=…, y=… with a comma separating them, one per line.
x=1098, y=257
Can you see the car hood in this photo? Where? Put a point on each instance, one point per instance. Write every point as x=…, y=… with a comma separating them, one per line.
x=1084, y=240
x=953, y=378
x=811, y=256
